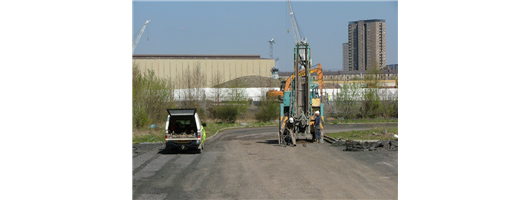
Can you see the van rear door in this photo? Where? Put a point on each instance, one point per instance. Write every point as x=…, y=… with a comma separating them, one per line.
x=181, y=112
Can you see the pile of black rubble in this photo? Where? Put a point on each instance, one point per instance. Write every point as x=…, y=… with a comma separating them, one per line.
x=380, y=145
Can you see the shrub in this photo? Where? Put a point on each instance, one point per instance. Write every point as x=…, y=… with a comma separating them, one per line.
x=228, y=113
x=371, y=102
x=395, y=109
x=237, y=104
x=347, y=100
x=267, y=110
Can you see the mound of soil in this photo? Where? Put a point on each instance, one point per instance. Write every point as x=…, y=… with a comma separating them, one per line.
x=250, y=82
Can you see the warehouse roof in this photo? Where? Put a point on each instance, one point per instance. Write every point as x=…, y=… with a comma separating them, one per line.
x=174, y=56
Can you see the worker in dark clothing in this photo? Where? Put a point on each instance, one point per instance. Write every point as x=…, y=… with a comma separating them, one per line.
x=316, y=126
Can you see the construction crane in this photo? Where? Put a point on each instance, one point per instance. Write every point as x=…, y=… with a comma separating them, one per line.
x=139, y=36
x=294, y=24
x=299, y=41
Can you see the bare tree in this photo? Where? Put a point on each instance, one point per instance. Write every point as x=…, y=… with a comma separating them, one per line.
x=371, y=107
x=217, y=79
x=193, y=83
x=347, y=100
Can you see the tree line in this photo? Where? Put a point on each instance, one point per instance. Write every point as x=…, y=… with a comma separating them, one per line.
x=366, y=99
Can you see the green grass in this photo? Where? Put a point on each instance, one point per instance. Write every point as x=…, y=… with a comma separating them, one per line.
x=366, y=134
x=149, y=135
x=349, y=121
x=262, y=124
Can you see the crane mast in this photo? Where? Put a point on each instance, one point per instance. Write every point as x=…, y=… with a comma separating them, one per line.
x=297, y=38
x=296, y=33
x=139, y=36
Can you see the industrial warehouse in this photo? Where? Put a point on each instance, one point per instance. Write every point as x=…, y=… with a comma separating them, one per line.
x=228, y=67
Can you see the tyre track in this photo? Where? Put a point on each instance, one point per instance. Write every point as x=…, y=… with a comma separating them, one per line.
x=160, y=173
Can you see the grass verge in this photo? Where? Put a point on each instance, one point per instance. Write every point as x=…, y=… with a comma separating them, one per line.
x=157, y=134
x=149, y=135
x=351, y=121
x=372, y=134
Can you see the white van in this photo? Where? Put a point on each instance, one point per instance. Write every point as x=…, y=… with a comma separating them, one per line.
x=184, y=130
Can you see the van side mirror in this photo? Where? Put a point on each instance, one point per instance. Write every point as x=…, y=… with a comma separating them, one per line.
x=203, y=124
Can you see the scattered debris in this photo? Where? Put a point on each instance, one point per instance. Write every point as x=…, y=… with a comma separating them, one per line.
x=366, y=145
x=379, y=145
x=330, y=139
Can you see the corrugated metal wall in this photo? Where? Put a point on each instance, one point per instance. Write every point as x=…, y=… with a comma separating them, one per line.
x=230, y=68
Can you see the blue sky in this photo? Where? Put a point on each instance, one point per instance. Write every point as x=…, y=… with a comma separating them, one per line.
x=246, y=27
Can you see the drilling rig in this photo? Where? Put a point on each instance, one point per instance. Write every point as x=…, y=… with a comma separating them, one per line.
x=301, y=99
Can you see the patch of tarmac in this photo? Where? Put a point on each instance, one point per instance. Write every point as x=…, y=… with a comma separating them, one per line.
x=144, y=147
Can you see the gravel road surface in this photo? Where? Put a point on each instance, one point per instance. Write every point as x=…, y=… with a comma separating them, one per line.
x=249, y=164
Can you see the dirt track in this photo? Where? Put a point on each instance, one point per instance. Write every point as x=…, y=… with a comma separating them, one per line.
x=249, y=164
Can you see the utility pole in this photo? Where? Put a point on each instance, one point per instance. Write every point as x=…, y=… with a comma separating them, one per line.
x=270, y=47
x=274, y=69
